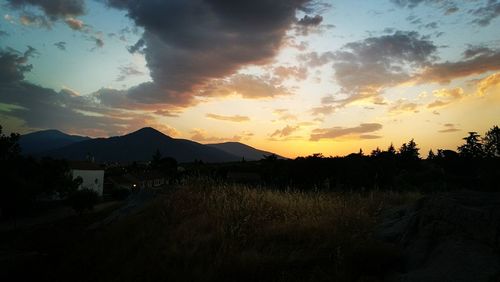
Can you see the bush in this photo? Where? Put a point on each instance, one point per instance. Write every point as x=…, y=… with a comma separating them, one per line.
x=120, y=194
x=83, y=199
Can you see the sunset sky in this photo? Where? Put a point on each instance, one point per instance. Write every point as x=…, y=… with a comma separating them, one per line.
x=295, y=77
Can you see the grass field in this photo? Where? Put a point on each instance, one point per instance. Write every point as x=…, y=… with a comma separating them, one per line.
x=209, y=231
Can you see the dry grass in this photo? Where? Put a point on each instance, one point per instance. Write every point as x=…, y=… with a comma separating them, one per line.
x=208, y=231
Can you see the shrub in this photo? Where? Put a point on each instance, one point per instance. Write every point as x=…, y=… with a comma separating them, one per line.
x=120, y=194
x=83, y=199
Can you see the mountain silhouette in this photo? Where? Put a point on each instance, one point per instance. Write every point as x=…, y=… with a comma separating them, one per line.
x=46, y=140
x=140, y=146
x=241, y=150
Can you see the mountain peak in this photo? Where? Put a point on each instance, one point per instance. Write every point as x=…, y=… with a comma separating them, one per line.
x=147, y=131
x=47, y=132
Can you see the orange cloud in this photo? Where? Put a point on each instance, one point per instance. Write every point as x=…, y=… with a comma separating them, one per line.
x=286, y=131
x=235, y=118
x=447, y=96
x=454, y=93
x=485, y=84
x=363, y=131
x=402, y=106
x=74, y=24
x=201, y=135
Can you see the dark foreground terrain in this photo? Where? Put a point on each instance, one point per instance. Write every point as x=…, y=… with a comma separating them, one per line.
x=208, y=231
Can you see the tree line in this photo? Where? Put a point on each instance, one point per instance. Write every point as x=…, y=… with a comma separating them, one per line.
x=474, y=165
x=27, y=182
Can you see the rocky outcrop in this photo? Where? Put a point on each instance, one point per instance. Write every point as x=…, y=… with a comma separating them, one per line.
x=447, y=237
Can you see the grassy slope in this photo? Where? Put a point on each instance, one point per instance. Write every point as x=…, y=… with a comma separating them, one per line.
x=207, y=231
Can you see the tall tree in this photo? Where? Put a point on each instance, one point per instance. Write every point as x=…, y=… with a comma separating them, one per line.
x=409, y=151
x=431, y=155
x=376, y=152
x=473, y=148
x=492, y=142
x=9, y=146
x=391, y=150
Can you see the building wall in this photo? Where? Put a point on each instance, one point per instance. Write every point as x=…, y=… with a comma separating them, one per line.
x=92, y=179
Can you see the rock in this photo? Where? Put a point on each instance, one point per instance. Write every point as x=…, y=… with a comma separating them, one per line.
x=447, y=237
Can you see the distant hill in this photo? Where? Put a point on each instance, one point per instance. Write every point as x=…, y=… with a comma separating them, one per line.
x=140, y=146
x=47, y=140
x=242, y=151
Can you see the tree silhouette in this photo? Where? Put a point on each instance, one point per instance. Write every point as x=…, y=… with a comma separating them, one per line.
x=391, y=150
x=492, y=142
x=9, y=146
x=473, y=148
x=376, y=152
x=431, y=155
x=409, y=151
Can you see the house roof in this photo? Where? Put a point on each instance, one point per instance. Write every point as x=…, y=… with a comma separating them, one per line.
x=84, y=165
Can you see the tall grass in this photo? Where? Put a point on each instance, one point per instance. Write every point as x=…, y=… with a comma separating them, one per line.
x=210, y=231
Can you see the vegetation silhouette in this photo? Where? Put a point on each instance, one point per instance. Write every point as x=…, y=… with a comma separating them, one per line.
x=472, y=167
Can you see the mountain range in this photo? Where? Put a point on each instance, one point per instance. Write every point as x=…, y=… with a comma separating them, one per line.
x=42, y=141
x=136, y=146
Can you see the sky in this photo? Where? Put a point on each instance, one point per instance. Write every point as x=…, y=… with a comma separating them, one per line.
x=295, y=77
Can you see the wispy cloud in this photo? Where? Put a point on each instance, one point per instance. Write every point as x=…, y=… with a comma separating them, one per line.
x=234, y=118
x=358, y=132
x=449, y=127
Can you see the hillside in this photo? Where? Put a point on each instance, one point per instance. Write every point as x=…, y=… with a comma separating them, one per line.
x=241, y=150
x=47, y=140
x=140, y=146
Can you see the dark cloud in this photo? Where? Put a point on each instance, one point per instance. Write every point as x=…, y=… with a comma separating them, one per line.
x=431, y=25
x=30, y=19
x=478, y=60
x=473, y=51
x=309, y=24
x=246, y=86
x=313, y=59
x=487, y=13
x=13, y=64
x=451, y=10
x=42, y=108
x=448, y=7
x=189, y=43
x=133, y=98
x=61, y=45
x=98, y=42
x=282, y=73
x=310, y=21
x=365, y=68
x=54, y=9
x=356, y=132
x=127, y=71
x=137, y=47
x=449, y=127
x=484, y=12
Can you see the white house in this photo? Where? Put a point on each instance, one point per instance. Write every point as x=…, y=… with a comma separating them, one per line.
x=91, y=174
